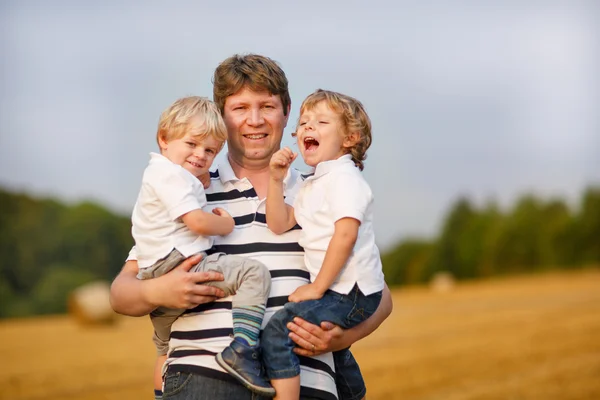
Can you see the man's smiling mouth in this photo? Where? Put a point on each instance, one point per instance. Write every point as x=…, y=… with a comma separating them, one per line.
x=256, y=136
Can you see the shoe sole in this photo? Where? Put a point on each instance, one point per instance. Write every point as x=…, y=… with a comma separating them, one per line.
x=247, y=385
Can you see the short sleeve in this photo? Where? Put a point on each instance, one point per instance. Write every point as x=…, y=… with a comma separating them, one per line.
x=132, y=256
x=349, y=195
x=178, y=190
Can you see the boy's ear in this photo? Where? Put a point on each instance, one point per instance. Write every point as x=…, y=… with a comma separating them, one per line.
x=351, y=139
x=162, y=143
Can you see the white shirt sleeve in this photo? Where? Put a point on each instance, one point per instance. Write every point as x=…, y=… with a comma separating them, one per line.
x=132, y=256
x=349, y=196
x=177, y=191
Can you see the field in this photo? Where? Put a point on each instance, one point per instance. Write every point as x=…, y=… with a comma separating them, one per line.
x=532, y=337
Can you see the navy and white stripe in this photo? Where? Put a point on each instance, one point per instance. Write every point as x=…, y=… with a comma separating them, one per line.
x=205, y=330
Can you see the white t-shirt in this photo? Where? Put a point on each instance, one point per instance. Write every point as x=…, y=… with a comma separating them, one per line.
x=168, y=191
x=335, y=191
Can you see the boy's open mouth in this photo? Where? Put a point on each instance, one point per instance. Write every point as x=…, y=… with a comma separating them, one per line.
x=310, y=143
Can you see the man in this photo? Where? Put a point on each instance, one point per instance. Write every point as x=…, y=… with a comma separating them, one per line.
x=252, y=94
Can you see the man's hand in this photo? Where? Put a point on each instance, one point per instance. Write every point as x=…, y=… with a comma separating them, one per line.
x=280, y=163
x=306, y=292
x=313, y=340
x=183, y=289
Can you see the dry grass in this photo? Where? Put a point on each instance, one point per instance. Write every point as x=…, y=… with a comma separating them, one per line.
x=532, y=337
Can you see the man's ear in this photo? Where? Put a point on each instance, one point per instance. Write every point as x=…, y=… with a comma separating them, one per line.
x=351, y=139
x=287, y=115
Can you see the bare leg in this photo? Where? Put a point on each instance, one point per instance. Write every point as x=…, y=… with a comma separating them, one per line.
x=287, y=389
x=160, y=360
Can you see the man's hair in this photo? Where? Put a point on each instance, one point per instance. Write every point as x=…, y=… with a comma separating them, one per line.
x=354, y=119
x=175, y=121
x=258, y=73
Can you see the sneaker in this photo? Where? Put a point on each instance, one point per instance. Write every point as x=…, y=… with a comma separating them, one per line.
x=243, y=363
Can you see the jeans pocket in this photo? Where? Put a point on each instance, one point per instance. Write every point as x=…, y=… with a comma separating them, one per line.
x=175, y=382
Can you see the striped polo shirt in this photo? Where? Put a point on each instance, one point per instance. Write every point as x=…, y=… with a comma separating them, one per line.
x=204, y=331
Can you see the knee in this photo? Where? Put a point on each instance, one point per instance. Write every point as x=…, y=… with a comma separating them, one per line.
x=261, y=272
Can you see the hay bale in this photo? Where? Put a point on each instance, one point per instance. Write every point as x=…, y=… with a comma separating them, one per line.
x=442, y=282
x=90, y=304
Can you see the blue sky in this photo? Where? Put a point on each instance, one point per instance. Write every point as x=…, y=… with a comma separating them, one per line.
x=485, y=99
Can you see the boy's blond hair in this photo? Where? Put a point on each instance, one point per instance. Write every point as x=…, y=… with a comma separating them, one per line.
x=354, y=119
x=258, y=73
x=175, y=121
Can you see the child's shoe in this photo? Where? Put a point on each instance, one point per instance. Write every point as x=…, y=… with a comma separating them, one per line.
x=243, y=363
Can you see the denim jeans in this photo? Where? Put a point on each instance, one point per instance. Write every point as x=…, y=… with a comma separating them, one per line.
x=191, y=386
x=345, y=310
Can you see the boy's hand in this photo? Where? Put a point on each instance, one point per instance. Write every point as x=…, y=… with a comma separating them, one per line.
x=205, y=180
x=306, y=292
x=228, y=218
x=280, y=163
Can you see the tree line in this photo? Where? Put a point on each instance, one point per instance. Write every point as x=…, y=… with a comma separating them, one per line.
x=49, y=248
x=474, y=242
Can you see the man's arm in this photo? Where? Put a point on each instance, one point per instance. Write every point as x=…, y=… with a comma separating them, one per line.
x=176, y=289
x=329, y=337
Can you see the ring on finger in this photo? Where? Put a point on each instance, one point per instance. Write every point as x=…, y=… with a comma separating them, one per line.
x=313, y=347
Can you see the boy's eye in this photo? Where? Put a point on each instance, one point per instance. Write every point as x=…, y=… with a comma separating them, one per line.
x=210, y=151
x=302, y=123
x=323, y=122
x=191, y=144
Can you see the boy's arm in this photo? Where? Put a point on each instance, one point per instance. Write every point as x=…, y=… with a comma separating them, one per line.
x=280, y=216
x=339, y=250
x=176, y=289
x=219, y=223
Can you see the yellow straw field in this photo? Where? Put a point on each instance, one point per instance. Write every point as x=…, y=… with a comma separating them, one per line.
x=532, y=337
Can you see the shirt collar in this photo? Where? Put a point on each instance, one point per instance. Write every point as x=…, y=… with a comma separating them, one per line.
x=156, y=157
x=325, y=167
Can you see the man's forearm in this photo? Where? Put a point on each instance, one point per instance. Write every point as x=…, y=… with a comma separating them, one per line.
x=127, y=293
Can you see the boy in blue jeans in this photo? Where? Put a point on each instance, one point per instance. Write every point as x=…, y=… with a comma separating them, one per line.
x=334, y=207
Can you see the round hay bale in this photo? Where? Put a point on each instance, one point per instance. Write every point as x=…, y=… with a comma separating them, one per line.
x=89, y=304
x=442, y=282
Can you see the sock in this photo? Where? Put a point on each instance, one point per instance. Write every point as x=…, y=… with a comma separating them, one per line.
x=158, y=394
x=246, y=323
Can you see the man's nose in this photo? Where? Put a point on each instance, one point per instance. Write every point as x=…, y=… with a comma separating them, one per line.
x=255, y=118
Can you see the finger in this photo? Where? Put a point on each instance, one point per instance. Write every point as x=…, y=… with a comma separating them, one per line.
x=311, y=329
x=188, y=263
x=301, y=342
x=195, y=301
x=206, y=276
x=206, y=290
x=327, y=326
x=294, y=156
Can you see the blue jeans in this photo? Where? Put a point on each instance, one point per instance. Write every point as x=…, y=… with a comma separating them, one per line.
x=345, y=310
x=191, y=386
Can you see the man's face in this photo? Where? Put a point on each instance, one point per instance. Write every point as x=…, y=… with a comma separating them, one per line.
x=255, y=123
